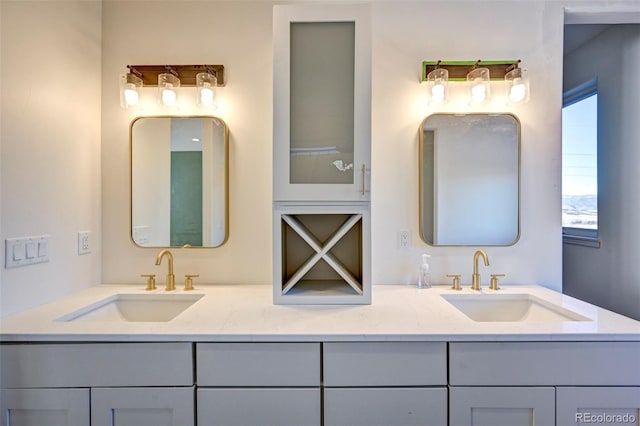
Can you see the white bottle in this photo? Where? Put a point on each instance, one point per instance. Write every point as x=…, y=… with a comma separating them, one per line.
x=424, y=278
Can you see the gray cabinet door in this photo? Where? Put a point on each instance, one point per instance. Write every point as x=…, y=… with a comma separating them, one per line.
x=385, y=406
x=601, y=405
x=142, y=407
x=259, y=407
x=50, y=407
x=502, y=406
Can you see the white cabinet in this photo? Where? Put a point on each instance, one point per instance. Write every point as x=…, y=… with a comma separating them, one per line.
x=597, y=405
x=502, y=406
x=44, y=407
x=322, y=102
x=258, y=384
x=321, y=153
x=385, y=383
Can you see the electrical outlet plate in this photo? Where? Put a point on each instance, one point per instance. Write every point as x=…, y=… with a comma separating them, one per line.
x=84, y=242
x=404, y=238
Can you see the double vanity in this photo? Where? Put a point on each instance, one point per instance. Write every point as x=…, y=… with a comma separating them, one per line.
x=321, y=346
x=226, y=355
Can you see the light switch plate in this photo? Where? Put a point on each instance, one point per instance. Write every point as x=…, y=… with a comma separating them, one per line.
x=25, y=251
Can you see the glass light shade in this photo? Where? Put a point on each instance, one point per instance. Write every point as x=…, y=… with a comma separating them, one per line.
x=479, y=85
x=130, y=87
x=206, y=89
x=438, y=81
x=517, y=86
x=167, y=83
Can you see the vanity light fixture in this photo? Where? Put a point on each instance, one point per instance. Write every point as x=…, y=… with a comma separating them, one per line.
x=438, y=81
x=168, y=78
x=478, y=75
x=130, y=87
x=517, y=85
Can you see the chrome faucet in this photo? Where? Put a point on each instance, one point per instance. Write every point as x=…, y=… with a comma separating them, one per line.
x=475, y=278
x=171, y=279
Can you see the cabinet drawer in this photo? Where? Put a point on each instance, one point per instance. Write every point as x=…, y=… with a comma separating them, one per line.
x=385, y=364
x=385, y=406
x=258, y=364
x=96, y=364
x=545, y=363
x=264, y=407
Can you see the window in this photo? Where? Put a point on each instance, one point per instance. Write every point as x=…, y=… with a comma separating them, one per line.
x=580, y=164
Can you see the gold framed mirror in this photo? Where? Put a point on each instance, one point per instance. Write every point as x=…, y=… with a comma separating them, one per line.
x=469, y=179
x=179, y=175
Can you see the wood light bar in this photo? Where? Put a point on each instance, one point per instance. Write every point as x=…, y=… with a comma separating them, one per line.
x=458, y=70
x=186, y=73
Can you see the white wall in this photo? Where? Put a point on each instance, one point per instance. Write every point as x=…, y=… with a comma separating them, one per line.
x=51, y=161
x=404, y=35
x=50, y=144
x=238, y=35
x=609, y=276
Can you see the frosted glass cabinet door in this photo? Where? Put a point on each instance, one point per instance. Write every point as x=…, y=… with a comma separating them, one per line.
x=45, y=407
x=502, y=406
x=322, y=102
x=142, y=407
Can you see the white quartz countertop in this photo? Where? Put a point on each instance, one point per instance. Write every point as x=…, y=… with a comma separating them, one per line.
x=246, y=313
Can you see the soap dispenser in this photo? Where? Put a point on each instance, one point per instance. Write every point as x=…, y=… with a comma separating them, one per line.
x=424, y=279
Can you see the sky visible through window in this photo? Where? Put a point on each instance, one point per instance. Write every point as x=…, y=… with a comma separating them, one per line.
x=579, y=164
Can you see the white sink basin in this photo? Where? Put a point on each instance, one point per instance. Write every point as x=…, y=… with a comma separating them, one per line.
x=134, y=308
x=510, y=308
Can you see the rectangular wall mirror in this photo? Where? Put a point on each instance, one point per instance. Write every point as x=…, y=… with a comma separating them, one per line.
x=469, y=179
x=179, y=181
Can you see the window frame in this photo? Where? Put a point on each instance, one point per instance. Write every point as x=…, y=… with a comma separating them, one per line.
x=571, y=235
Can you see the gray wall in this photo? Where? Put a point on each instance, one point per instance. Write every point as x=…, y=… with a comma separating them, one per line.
x=610, y=276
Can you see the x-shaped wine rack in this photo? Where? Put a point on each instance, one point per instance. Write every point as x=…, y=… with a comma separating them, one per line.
x=322, y=252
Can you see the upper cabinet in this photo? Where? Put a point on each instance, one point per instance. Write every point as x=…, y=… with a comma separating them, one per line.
x=322, y=102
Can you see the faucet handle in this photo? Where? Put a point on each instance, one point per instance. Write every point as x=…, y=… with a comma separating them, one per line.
x=151, y=281
x=188, y=281
x=494, y=281
x=456, y=281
